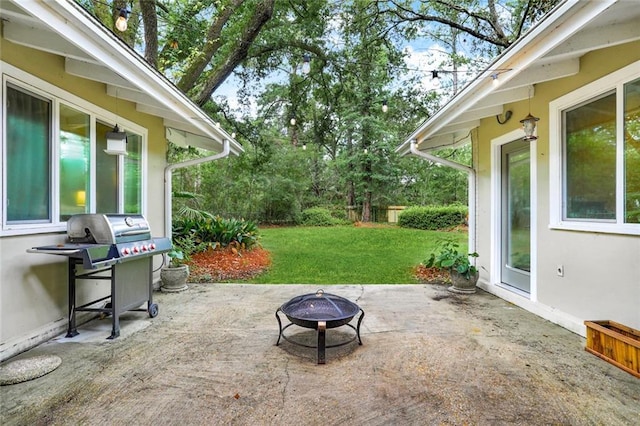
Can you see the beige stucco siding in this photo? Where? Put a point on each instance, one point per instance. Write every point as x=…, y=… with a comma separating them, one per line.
x=601, y=271
x=33, y=287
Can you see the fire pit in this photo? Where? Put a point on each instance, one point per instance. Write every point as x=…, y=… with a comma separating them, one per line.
x=320, y=311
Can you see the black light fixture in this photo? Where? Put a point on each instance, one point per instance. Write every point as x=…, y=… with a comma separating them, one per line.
x=116, y=142
x=121, y=21
x=385, y=107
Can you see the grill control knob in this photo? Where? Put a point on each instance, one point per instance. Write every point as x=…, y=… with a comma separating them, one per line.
x=126, y=251
x=136, y=250
x=144, y=248
x=152, y=246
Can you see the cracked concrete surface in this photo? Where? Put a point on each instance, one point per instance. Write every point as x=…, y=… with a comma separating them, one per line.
x=428, y=357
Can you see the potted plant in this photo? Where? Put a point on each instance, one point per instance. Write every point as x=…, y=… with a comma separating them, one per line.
x=174, y=276
x=464, y=275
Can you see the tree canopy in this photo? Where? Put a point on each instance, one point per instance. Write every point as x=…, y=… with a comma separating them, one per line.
x=303, y=84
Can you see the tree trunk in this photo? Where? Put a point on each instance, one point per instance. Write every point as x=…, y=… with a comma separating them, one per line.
x=262, y=14
x=150, y=20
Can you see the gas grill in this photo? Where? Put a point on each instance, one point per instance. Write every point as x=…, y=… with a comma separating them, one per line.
x=113, y=247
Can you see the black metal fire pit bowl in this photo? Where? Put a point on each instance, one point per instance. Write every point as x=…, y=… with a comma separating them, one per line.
x=320, y=311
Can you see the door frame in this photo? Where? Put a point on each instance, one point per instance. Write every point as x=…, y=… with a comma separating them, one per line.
x=495, y=275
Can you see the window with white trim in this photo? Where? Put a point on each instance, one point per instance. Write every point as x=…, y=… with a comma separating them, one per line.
x=595, y=174
x=54, y=164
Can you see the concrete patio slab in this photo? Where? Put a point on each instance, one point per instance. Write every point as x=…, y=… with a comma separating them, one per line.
x=428, y=357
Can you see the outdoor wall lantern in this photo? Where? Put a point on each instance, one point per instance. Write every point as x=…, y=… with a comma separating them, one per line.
x=116, y=142
x=529, y=126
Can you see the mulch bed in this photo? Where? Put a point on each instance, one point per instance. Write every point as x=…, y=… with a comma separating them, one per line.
x=431, y=275
x=228, y=264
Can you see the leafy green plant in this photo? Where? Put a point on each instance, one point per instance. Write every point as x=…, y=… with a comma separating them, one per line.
x=176, y=258
x=201, y=233
x=450, y=257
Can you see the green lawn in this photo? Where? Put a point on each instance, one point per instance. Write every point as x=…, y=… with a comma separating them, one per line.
x=347, y=254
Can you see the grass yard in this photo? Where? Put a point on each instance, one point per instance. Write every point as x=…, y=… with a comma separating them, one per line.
x=348, y=254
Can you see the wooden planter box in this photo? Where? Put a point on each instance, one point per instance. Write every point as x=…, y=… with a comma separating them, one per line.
x=615, y=343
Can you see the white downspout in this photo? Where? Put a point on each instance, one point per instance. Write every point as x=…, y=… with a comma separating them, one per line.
x=168, y=218
x=471, y=173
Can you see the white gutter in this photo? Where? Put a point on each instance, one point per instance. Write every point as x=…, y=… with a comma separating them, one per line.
x=471, y=195
x=168, y=175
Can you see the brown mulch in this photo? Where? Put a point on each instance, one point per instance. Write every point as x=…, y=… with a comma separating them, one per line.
x=431, y=275
x=228, y=264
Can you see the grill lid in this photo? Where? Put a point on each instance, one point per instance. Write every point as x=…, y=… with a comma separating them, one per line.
x=107, y=228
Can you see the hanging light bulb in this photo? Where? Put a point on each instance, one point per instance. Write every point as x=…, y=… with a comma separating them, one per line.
x=304, y=146
x=121, y=22
x=435, y=79
x=306, y=63
x=292, y=121
x=494, y=79
x=385, y=107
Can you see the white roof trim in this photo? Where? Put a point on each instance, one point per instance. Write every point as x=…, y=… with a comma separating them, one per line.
x=106, y=52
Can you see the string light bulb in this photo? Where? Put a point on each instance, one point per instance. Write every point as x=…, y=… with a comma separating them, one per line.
x=494, y=79
x=385, y=107
x=435, y=79
x=292, y=121
x=121, y=22
x=306, y=63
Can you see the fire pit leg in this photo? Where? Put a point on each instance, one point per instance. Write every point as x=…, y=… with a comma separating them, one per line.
x=322, y=328
x=279, y=327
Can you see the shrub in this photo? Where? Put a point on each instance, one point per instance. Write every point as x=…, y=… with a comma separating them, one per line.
x=198, y=234
x=319, y=216
x=433, y=218
x=451, y=258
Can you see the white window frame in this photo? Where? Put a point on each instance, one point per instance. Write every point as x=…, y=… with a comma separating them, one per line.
x=26, y=81
x=614, y=80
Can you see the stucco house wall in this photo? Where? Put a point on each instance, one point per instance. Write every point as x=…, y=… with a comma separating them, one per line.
x=33, y=294
x=601, y=270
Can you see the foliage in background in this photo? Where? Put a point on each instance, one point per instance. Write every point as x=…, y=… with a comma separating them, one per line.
x=347, y=254
x=433, y=218
x=319, y=216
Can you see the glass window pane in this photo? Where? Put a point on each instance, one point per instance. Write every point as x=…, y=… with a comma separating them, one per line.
x=28, y=157
x=133, y=175
x=632, y=151
x=590, y=168
x=74, y=162
x=106, y=173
